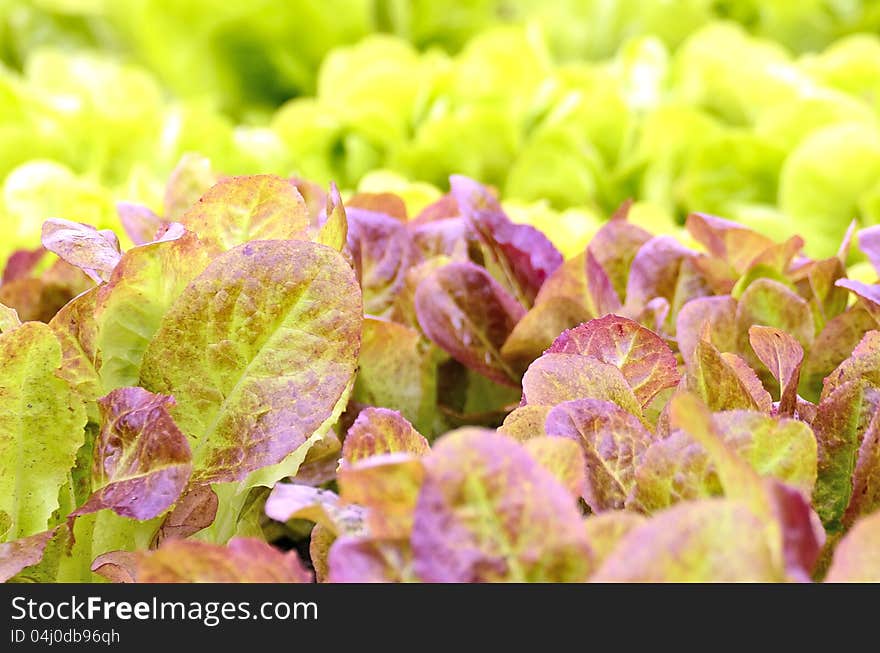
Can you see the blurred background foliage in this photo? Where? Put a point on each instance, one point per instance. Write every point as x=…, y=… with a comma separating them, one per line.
x=764, y=111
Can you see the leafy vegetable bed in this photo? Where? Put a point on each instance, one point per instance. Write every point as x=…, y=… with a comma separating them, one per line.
x=443, y=396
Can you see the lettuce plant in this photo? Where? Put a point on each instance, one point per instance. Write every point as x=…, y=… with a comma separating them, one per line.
x=440, y=397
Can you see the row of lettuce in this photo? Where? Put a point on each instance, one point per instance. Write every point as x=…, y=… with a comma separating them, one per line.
x=246, y=58
x=714, y=120
x=438, y=397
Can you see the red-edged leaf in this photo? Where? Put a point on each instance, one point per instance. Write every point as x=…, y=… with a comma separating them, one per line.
x=524, y=254
x=645, y=361
x=783, y=356
x=469, y=315
x=142, y=461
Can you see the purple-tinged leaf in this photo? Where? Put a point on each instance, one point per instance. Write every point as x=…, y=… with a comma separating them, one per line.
x=869, y=294
x=827, y=298
x=469, y=315
x=379, y=431
x=655, y=272
x=387, y=485
x=783, y=356
x=727, y=240
x=602, y=297
x=525, y=256
x=355, y=559
x=769, y=303
x=612, y=441
x=563, y=458
x=94, y=252
x=833, y=346
x=292, y=501
x=525, y=423
x=23, y=552
x=869, y=243
x=780, y=448
x=605, y=531
x=864, y=363
x=489, y=512
x=257, y=351
x=725, y=381
x=243, y=560
x=538, y=328
x=857, y=556
x=237, y=210
x=139, y=222
x=646, y=362
x=21, y=264
x=142, y=462
x=718, y=312
x=555, y=378
x=712, y=540
x=802, y=534
x=614, y=247
x=738, y=478
x=842, y=419
x=194, y=511
x=116, y=566
x=450, y=237
x=383, y=252
x=387, y=203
